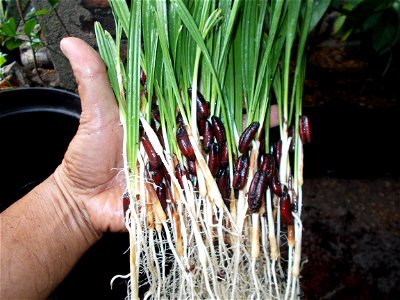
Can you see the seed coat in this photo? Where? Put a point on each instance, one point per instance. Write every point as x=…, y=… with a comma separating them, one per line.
x=247, y=136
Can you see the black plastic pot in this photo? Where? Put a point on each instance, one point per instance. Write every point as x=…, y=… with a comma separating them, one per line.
x=36, y=126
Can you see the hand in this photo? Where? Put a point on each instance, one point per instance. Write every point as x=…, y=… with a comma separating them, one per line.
x=89, y=175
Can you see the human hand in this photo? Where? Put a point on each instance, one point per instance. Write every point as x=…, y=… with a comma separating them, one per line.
x=89, y=175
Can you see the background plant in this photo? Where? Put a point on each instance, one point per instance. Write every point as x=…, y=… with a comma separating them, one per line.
x=19, y=26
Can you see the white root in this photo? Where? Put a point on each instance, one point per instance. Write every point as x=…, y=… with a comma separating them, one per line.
x=199, y=248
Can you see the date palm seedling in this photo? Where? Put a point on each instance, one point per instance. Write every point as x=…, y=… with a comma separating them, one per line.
x=215, y=201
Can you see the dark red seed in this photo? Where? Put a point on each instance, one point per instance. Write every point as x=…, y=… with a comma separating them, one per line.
x=126, y=201
x=179, y=119
x=247, y=136
x=218, y=130
x=162, y=196
x=153, y=124
x=276, y=150
x=286, y=209
x=224, y=155
x=267, y=164
x=167, y=176
x=141, y=129
x=142, y=77
x=201, y=123
x=191, y=167
x=157, y=175
x=257, y=190
x=182, y=139
x=179, y=173
x=214, y=159
x=208, y=136
x=241, y=172
x=154, y=158
x=224, y=185
x=284, y=188
x=305, y=129
x=275, y=185
x=201, y=105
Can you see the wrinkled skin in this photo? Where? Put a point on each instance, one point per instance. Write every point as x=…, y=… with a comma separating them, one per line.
x=90, y=169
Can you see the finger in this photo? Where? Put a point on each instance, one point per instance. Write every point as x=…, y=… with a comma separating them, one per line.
x=97, y=99
x=274, y=118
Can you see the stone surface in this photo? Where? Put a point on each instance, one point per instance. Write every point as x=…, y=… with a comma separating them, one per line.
x=14, y=75
x=69, y=19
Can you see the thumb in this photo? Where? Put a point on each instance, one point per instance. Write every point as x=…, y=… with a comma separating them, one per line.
x=93, y=86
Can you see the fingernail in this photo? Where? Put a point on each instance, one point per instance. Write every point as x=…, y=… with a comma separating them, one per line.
x=62, y=46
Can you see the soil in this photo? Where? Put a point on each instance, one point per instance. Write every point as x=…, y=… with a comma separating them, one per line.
x=352, y=178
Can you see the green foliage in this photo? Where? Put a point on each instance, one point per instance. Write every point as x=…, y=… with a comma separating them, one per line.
x=374, y=23
x=19, y=24
x=319, y=9
x=3, y=59
x=13, y=36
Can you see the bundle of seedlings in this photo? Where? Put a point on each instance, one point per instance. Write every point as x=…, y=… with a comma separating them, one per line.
x=214, y=200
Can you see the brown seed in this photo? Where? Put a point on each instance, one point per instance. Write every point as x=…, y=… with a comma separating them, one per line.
x=141, y=129
x=257, y=190
x=179, y=173
x=241, y=172
x=208, y=136
x=201, y=105
x=247, y=136
x=201, y=123
x=153, y=124
x=224, y=185
x=183, y=141
x=214, y=159
x=157, y=175
x=267, y=164
x=179, y=119
x=224, y=155
x=154, y=158
x=275, y=185
x=286, y=210
x=276, y=150
x=191, y=167
x=162, y=196
x=126, y=200
x=142, y=77
x=305, y=130
x=218, y=130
